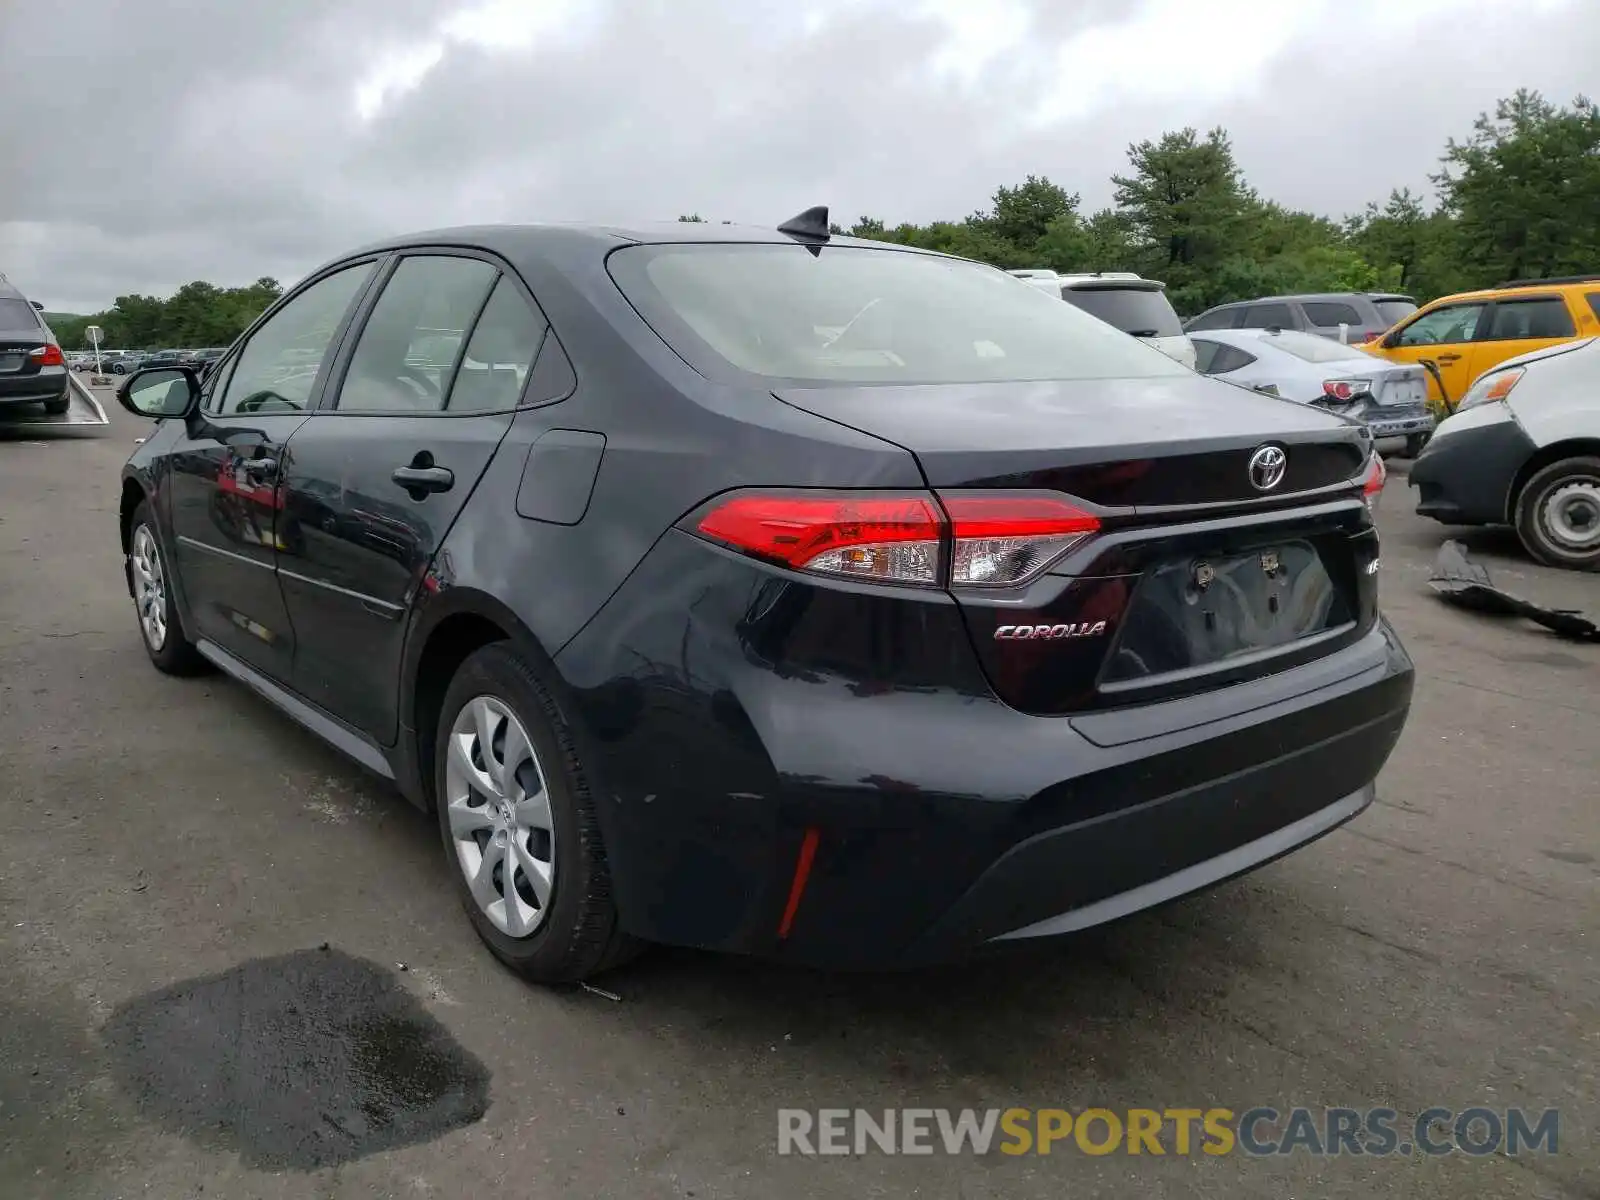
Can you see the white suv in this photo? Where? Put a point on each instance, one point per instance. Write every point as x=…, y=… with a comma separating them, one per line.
x=1130, y=302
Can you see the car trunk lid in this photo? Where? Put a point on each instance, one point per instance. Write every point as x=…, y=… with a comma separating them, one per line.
x=1198, y=576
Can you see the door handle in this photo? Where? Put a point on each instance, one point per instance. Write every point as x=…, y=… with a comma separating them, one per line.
x=257, y=467
x=419, y=481
x=1448, y=358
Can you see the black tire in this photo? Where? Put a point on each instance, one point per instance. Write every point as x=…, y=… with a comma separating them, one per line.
x=577, y=935
x=1414, y=444
x=176, y=655
x=1570, y=487
x=56, y=408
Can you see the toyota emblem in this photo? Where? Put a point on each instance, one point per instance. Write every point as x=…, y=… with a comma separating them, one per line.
x=1267, y=465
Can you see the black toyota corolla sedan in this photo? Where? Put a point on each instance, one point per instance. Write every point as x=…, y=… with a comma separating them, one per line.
x=772, y=592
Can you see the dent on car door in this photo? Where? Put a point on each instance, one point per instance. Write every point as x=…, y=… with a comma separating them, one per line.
x=378, y=476
x=223, y=472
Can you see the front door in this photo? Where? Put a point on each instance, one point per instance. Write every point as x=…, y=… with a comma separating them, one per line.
x=1444, y=336
x=224, y=498
x=378, y=475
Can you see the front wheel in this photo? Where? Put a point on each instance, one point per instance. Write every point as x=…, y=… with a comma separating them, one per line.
x=164, y=640
x=1414, y=444
x=519, y=823
x=1558, y=514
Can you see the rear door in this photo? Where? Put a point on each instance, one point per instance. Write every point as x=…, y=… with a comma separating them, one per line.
x=1516, y=326
x=1445, y=336
x=222, y=482
x=1273, y=314
x=375, y=479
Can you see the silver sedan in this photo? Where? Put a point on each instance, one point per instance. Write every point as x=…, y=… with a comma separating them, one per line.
x=1389, y=398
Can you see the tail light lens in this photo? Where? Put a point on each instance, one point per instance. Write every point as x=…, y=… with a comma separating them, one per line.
x=1346, y=389
x=887, y=539
x=994, y=541
x=1001, y=541
x=1372, y=482
x=48, y=356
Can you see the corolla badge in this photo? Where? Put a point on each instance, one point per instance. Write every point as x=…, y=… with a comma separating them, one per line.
x=1267, y=466
x=1021, y=633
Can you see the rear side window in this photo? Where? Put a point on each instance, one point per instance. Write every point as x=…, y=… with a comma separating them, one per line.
x=17, y=314
x=504, y=344
x=1230, y=358
x=1520, y=320
x=1395, y=309
x=1594, y=303
x=1217, y=318
x=858, y=315
x=1265, y=316
x=1143, y=312
x=1326, y=314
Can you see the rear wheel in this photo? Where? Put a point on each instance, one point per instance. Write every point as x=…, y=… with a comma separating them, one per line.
x=1558, y=514
x=519, y=824
x=1414, y=444
x=164, y=640
x=56, y=407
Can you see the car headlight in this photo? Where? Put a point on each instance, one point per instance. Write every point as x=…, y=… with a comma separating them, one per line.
x=1491, y=388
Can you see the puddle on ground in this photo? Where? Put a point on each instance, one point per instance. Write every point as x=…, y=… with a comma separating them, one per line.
x=302, y=1061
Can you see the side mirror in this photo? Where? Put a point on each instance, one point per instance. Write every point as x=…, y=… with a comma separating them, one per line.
x=37, y=306
x=160, y=392
x=1270, y=389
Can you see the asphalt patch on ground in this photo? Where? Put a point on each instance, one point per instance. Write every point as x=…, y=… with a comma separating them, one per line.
x=297, y=1062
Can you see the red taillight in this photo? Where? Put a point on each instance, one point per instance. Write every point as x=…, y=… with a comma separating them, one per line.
x=1002, y=540
x=894, y=539
x=48, y=356
x=995, y=540
x=1346, y=389
x=1372, y=482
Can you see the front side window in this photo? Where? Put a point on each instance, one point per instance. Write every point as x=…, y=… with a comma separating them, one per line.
x=278, y=367
x=857, y=315
x=1268, y=316
x=1445, y=326
x=407, y=355
x=1521, y=320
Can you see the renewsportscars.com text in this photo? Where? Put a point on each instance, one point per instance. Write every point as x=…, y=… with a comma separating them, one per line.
x=1257, y=1131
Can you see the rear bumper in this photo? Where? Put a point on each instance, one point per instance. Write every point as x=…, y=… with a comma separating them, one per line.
x=1464, y=474
x=942, y=820
x=48, y=383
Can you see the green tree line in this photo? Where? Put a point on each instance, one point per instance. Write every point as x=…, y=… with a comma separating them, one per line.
x=197, y=314
x=1518, y=198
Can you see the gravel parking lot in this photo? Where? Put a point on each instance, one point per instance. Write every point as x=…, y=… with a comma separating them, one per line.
x=1439, y=951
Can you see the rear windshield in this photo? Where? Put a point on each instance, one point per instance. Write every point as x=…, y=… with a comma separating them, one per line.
x=1393, y=310
x=1143, y=312
x=17, y=314
x=1308, y=347
x=848, y=314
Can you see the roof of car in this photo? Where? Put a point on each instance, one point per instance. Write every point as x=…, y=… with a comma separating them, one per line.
x=1524, y=288
x=1314, y=297
x=514, y=239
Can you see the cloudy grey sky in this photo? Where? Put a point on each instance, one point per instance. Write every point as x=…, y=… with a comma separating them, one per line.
x=146, y=144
